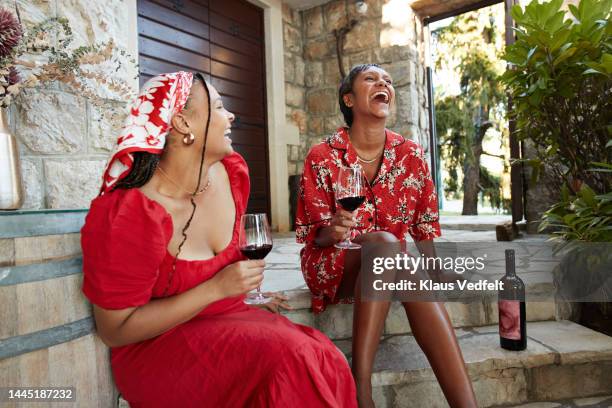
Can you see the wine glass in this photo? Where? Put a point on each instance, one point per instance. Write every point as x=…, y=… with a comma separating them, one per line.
x=255, y=242
x=350, y=193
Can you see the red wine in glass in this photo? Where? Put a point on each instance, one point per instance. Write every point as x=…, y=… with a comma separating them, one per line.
x=350, y=193
x=256, y=252
x=255, y=242
x=351, y=203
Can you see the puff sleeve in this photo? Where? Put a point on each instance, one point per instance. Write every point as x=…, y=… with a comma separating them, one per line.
x=238, y=172
x=124, y=241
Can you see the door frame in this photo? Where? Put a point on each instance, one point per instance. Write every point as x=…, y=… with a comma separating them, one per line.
x=517, y=184
x=280, y=132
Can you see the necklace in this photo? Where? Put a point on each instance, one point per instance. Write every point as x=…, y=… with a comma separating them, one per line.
x=361, y=159
x=367, y=161
x=177, y=185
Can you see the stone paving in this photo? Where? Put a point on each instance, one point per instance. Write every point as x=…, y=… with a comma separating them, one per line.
x=283, y=263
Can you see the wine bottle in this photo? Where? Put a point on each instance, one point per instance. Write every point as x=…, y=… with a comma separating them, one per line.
x=511, y=306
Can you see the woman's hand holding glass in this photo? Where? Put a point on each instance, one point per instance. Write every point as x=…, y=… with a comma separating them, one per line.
x=239, y=278
x=340, y=226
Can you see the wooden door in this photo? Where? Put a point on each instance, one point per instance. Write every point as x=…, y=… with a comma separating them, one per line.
x=224, y=39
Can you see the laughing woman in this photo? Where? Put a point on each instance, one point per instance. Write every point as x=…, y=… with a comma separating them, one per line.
x=162, y=267
x=400, y=200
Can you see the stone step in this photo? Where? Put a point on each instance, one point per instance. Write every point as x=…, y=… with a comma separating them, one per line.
x=563, y=360
x=604, y=401
x=336, y=321
x=564, y=365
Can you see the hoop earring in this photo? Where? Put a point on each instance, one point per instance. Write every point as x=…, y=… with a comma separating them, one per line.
x=189, y=139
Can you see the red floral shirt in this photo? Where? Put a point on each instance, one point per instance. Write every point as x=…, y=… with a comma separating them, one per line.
x=401, y=200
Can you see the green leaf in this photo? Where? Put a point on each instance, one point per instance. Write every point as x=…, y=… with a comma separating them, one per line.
x=574, y=10
x=517, y=13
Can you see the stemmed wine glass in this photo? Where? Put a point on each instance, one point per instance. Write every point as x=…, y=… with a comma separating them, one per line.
x=350, y=193
x=255, y=242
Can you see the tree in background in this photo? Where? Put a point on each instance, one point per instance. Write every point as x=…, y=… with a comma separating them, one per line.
x=470, y=47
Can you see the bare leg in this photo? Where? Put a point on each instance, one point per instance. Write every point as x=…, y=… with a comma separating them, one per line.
x=434, y=333
x=368, y=319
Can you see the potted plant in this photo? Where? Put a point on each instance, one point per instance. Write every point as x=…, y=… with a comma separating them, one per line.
x=560, y=80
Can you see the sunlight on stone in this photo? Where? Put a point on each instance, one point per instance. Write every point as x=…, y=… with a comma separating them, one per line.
x=398, y=23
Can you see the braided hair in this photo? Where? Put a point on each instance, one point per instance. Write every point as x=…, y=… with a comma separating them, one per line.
x=146, y=163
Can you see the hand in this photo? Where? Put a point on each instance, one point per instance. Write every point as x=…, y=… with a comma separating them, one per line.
x=239, y=278
x=278, y=302
x=338, y=230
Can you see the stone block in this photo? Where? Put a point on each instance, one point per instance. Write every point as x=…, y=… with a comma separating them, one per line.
x=294, y=95
x=336, y=322
x=407, y=105
x=289, y=67
x=313, y=22
x=31, y=11
x=321, y=102
x=317, y=49
x=72, y=183
x=383, y=55
x=7, y=252
x=94, y=22
x=316, y=126
x=335, y=15
x=570, y=381
x=105, y=123
x=313, y=75
x=31, y=173
x=331, y=73
x=363, y=36
x=298, y=117
x=292, y=38
x=291, y=16
x=332, y=123
x=501, y=387
x=302, y=316
x=299, y=70
x=401, y=72
x=42, y=127
x=363, y=57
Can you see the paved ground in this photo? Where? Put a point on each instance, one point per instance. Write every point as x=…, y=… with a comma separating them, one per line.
x=283, y=263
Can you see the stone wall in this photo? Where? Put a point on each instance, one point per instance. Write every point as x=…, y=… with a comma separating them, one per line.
x=295, y=89
x=389, y=33
x=62, y=141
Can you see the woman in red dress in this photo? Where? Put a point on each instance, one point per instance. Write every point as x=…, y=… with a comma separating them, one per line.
x=400, y=200
x=162, y=267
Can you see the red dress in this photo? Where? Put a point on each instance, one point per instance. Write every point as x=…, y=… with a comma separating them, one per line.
x=230, y=354
x=401, y=200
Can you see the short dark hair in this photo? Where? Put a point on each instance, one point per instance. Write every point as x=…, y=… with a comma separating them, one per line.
x=346, y=86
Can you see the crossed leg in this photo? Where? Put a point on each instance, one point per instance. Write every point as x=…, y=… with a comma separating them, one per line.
x=430, y=326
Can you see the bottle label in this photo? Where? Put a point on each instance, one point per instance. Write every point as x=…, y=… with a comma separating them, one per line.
x=510, y=319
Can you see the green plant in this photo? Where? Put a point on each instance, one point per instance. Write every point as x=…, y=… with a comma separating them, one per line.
x=560, y=80
x=583, y=217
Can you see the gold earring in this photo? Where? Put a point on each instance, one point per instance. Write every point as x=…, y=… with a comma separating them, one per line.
x=189, y=139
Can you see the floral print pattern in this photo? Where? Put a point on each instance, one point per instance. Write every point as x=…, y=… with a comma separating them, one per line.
x=401, y=200
x=148, y=123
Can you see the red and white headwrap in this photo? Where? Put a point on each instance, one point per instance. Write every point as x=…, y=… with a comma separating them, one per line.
x=148, y=123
